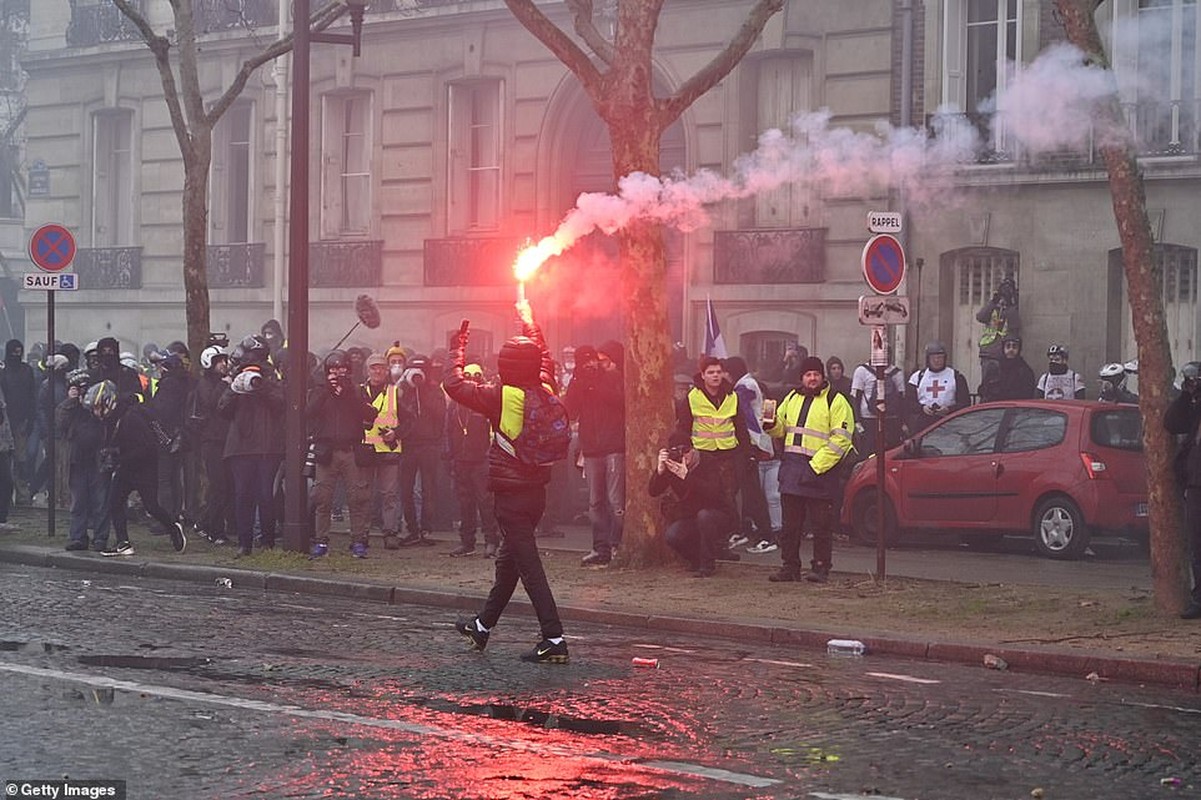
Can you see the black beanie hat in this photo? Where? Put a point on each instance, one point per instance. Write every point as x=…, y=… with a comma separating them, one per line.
x=519, y=361
x=813, y=364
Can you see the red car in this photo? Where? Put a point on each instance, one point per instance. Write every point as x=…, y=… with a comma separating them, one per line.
x=1059, y=471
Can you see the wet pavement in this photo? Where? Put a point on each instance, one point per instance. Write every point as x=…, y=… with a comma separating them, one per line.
x=189, y=690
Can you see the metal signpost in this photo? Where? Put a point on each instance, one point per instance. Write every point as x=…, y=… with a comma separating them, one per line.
x=51, y=249
x=884, y=271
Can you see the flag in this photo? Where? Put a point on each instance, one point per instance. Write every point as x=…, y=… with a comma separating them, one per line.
x=715, y=345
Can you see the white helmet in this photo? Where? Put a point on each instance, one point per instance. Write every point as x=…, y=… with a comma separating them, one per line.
x=209, y=353
x=129, y=360
x=1131, y=367
x=1111, y=372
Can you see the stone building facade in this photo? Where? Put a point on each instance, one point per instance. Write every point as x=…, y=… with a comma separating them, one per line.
x=456, y=135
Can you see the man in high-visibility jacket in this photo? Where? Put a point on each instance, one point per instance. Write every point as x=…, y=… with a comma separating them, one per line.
x=816, y=424
x=381, y=458
x=709, y=413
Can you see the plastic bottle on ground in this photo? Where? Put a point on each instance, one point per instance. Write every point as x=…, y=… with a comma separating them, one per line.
x=845, y=647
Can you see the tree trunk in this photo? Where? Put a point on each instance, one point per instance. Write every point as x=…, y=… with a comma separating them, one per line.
x=1144, y=281
x=195, y=236
x=648, y=373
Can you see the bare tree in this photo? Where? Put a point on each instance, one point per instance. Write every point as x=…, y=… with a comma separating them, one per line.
x=618, y=76
x=193, y=119
x=1144, y=279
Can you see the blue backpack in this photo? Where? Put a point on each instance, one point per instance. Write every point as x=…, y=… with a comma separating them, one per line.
x=545, y=429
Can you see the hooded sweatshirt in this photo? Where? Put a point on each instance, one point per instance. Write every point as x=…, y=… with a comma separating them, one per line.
x=19, y=385
x=596, y=397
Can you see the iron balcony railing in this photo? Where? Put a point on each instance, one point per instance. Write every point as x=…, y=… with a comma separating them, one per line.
x=222, y=15
x=770, y=256
x=99, y=23
x=109, y=267
x=470, y=261
x=336, y=264
x=235, y=265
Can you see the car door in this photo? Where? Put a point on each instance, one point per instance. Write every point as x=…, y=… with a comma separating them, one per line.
x=951, y=475
x=1029, y=449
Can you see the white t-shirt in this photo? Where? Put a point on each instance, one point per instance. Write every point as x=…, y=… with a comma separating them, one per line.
x=935, y=387
x=864, y=380
x=1060, y=387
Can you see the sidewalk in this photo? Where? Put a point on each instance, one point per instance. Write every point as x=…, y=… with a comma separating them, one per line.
x=1103, y=624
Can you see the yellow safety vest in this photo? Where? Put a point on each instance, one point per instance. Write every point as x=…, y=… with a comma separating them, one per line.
x=824, y=436
x=385, y=404
x=713, y=428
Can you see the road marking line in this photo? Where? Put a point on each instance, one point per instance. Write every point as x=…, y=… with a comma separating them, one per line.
x=828, y=796
x=664, y=648
x=904, y=678
x=1181, y=709
x=780, y=663
x=671, y=767
x=1032, y=692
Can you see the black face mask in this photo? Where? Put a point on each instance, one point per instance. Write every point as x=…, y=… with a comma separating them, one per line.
x=1057, y=369
x=109, y=360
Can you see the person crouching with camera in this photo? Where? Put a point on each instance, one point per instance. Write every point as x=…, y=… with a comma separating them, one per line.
x=339, y=414
x=696, y=502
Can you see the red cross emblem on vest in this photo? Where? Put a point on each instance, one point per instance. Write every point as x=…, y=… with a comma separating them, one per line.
x=936, y=389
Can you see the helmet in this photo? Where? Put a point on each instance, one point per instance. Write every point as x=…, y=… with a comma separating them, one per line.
x=1057, y=350
x=101, y=399
x=78, y=377
x=208, y=354
x=936, y=348
x=337, y=359
x=1131, y=367
x=1190, y=371
x=473, y=371
x=252, y=349
x=519, y=360
x=128, y=360
x=1112, y=372
x=91, y=347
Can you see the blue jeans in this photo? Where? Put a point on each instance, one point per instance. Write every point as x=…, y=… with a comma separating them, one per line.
x=606, y=476
x=89, y=503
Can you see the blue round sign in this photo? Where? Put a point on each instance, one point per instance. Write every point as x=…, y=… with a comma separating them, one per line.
x=883, y=263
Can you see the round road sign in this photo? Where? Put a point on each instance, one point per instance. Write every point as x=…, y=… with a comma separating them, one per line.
x=883, y=264
x=52, y=248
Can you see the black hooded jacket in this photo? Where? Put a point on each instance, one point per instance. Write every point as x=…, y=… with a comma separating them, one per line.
x=20, y=387
x=596, y=397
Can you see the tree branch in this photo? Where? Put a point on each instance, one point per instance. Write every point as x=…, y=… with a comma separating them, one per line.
x=557, y=42
x=161, y=48
x=585, y=28
x=672, y=107
x=321, y=19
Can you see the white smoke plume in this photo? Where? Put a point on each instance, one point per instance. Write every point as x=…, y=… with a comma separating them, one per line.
x=1048, y=105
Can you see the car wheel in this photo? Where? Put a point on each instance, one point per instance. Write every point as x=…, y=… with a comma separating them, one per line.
x=865, y=519
x=1059, y=529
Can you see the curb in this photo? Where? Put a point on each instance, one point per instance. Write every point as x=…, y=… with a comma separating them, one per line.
x=1049, y=660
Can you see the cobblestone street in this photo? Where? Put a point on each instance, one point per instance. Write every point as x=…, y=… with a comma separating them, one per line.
x=185, y=690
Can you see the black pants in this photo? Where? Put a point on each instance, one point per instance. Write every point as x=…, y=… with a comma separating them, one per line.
x=752, y=499
x=698, y=538
x=820, y=512
x=475, y=502
x=426, y=460
x=217, y=512
x=518, y=514
x=6, y=484
x=145, y=483
x=1192, y=509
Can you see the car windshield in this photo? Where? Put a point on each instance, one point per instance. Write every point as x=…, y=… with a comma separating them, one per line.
x=1121, y=428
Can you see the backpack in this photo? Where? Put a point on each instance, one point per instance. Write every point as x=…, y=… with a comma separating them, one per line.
x=893, y=400
x=545, y=430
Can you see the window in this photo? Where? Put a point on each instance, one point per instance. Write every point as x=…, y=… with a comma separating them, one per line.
x=783, y=91
x=970, y=434
x=1165, y=114
x=1120, y=428
x=346, y=165
x=1034, y=429
x=474, y=171
x=764, y=352
x=982, y=39
x=230, y=185
x=112, y=179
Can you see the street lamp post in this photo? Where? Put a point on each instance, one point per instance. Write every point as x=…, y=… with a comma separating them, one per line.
x=296, y=500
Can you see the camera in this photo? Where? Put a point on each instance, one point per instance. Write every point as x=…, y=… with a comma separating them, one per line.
x=676, y=453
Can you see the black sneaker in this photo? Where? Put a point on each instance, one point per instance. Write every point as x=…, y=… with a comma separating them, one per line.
x=120, y=549
x=81, y=544
x=818, y=576
x=547, y=652
x=410, y=540
x=462, y=550
x=178, y=540
x=472, y=633
x=785, y=575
